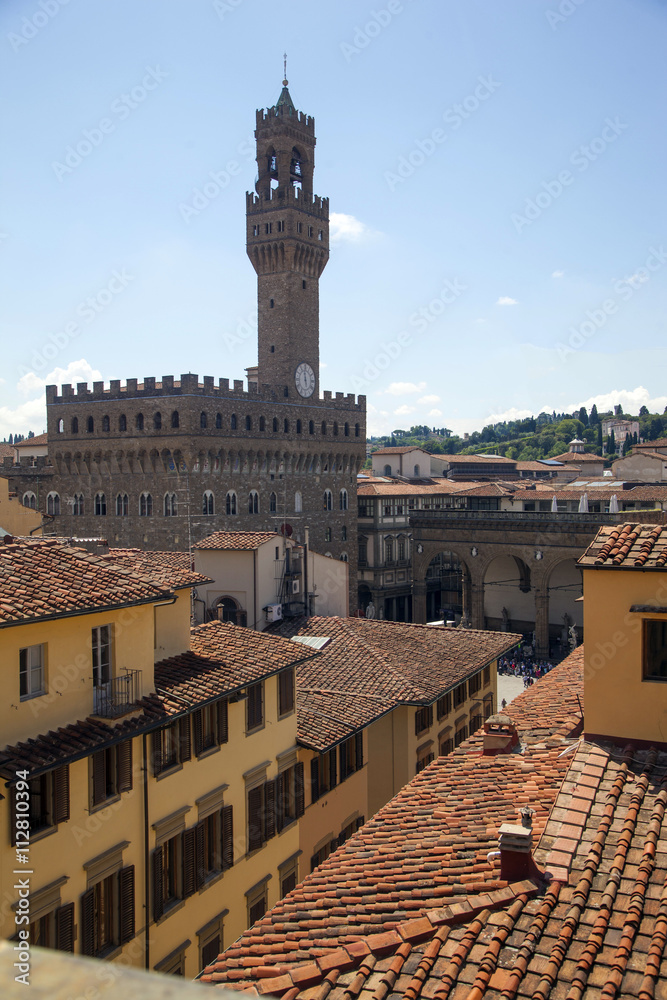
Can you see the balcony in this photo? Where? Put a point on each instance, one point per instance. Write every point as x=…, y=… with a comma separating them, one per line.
x=118, y=695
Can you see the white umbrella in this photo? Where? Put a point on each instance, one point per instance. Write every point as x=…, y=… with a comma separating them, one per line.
x=554, y=505
x=583, y=504
x=613, y=504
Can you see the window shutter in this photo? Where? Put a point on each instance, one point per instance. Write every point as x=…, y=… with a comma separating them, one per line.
x=270, y=811
x=99, y=777
x=360, y=822
x=156, y=750
x=184, y=734
x=199, y=732
x=227, y=837
x=255, y=797
x=223, y=723
x=125, y=766
x=418, y=726
x=314, y=861
x=333, y=845
x=281, y=783
x=61, y=794
x=200, y=869
x=332, y=769
x=126, y=897
x=430, y=716
x=189, y=862
x=88, y=922
x=299, y=799
x=65, y=927
x=359, y=750
x=158, y=884
x=314, y=780
x=343, y=761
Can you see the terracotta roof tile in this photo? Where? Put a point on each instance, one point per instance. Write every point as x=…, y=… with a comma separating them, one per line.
x=627, y=546
x=170, y=569
x=237, y=539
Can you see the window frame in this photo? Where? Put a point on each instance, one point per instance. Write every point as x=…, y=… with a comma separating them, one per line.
x=25, y=654
x=649, y=624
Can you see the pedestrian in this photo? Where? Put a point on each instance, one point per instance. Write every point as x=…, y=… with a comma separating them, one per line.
x=504, y=704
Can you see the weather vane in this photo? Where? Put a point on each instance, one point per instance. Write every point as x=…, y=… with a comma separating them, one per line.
x=284, y=69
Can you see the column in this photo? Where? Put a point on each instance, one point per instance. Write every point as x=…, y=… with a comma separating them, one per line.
x=542, y=622
x=419, y=602
x=477, y=605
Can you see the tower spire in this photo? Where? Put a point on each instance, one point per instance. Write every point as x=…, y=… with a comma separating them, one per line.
x=284, y=69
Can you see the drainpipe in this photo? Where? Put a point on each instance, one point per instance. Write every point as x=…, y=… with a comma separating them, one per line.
x=147, y=961
x=254, y=587
x=306, y=603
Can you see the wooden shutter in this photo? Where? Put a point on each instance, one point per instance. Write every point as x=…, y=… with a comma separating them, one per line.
x=255, y=804
x=156, y=750
x=88, y=922
x=314, y=862
x=99, y=777
x=332, y=769
x=342, y=753
x=61, y=794
x=223, y=721
x=189, y=862
x=430, y=715
x=126, y=897
x=124, y=759
x=200, y=861
x=358, y=750
x=158, y=884
x=360, y=822
x=271, y=792
x=184, y=736
x=418, y=721
x=299, y=798
x=199, y=732
x=314, y=779
x=65, y=927
x=281, y=794
x=227, y=837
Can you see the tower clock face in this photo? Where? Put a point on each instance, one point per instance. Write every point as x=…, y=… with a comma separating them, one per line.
x=305, y=379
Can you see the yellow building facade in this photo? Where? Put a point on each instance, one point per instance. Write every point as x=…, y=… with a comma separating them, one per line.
x=15, y=517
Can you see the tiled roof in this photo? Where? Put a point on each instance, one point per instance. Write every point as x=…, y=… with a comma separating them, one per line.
x=403, y=450
x=44, y=578
x=412, y=905
x=534, y=466
x=370, y=667
x=40, y=439
x=577, y=456
x=443, y=486
x=647, y=453
x=169, y=569
x=658, y=443
x=236, y=539
x=482, y=459
x=485, y=490
x=6, y=450
x=628, y=546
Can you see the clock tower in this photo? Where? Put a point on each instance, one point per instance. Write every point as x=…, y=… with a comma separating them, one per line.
x=288, y=245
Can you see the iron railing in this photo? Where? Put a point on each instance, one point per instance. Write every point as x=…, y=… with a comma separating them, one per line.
x=118, y=695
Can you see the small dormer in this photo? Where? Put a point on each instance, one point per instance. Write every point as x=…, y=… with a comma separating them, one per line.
x=577, y=445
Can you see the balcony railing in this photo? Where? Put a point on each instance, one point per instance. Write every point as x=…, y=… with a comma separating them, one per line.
x=118, y=695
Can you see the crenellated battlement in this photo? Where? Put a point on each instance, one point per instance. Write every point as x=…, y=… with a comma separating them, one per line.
x=281, y=113
x=168, y=387
x=294, y=198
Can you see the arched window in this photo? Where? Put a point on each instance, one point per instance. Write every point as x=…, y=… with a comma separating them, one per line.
x=327, y=534
x=248, y=423
x=208, y=503
x=342, y=500
x=29, y=500
x=286, y=425
x=145, y=505
x=90, y=425
x=298, y=503
x=298, y=426
x=174, y=419
x=311, y=426
x=77, y=505
x=417, y=473
x=388, y=550
x=387, y=470
x=122, y=422
x=203, y=421
x=324, y=426
x=218, y=421
x=170, y=505
x=273, y=503
x=275, y=425
x=232, y=422
x=343, y=533
x=356, y=430
x=106, y=423
x=335, y=429
x=100, y=504
x=122, y=504
x=347, y=430
x=343, y=557
x=139, y=421
x=253, y=502
x=61, y=426
x=157, y=421
x=328, y=500
x=262, y=424
x=230, y=503
x=75, y=425
x=53, y=503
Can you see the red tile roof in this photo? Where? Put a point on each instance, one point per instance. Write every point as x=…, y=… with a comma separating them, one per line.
x=237, y=539
x=397, y=489
x=40, y=439
x=169, y=569
x=481, y=459
x=628, y=546
x=577, y=456
x=402, y=450
x=657, y=443
x=412, y=905
x=45, y=578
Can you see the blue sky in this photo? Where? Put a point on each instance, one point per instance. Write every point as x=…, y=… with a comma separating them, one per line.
x=495, y=169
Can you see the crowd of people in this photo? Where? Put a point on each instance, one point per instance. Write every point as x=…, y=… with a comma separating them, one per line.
x=518, y=665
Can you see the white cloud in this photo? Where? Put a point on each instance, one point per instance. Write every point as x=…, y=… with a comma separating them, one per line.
x=505, y=300
x=435, y=413
x=346, y=228
x=28, y=416
x=404, y=388
x=429, y=400
x=557, y=274
x=76, y=371
x=404, y=411
x=511, y=414
x=630, y=399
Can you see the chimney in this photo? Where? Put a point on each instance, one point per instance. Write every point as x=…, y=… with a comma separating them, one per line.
x=516, y=845
x=500, y=735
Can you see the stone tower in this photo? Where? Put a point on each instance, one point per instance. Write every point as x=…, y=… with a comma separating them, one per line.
x=288, y=245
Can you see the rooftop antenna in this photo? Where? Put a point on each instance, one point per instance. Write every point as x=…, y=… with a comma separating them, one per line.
x=284, y=69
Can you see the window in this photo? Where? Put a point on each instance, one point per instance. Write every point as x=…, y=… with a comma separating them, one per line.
x=342, y=501
x=157, y=421
x=311, y=426
x=460, y=694
x=286, y=691
x=51, y=925
x=322, y=854
x=351, y=755
x=425, y=755
x=445, y=742
x=61, y=426
x=107, y=913
x=170, y=505
x=335, y=427
x=327, y=534
x=47, y=797
x=254, y=706
x=168, y=875
x=298, y=426
x=170, y=746
x=343, y=533
x=100, y=504
x=400, y=555
x=323, y=774
x=356, y=430
x=175, y=419
x=388, y=550
x=32, y=671
x=30, y=500
x=274, y=804
x=102, y=661
x=248, y=423
x=461, y=735
x=139, y=421
x=475, y=684
x=487, y=674
x=218, y=421
x=75, y=425
x=255, y=230
x=53, y=504
x=90, y=425
x=288, y=873
x=208, y=503
x=444, y=705
x=363, y=552
x=286, y=425
x=655, y=650
x=111, y=772
x=145, y=505
x=423, y=719
x=476, y=721
x=327, y=500
x=106, y=423
x=253, y=502
x=233, y=422
x=210, y=726
x=298, y=503
x=203, y=421
x=122, y=504
x=275, y=425
x=257, y=905
x=324, y=426
x=174, y=963
x=230, y=503
x=214, y=844
x=210, y=941
x=273, y=503
x=343, y=557
x=122, y=422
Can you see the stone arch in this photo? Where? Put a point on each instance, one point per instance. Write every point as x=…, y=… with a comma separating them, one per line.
x=564, y=584
x=447, y=579
x=509, y=600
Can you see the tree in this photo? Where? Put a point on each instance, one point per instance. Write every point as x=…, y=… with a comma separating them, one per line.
x=611, y=444
x=593, y=417
x=643, y=411
x=618, y=410
x=600, y=436
x=583, y=416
